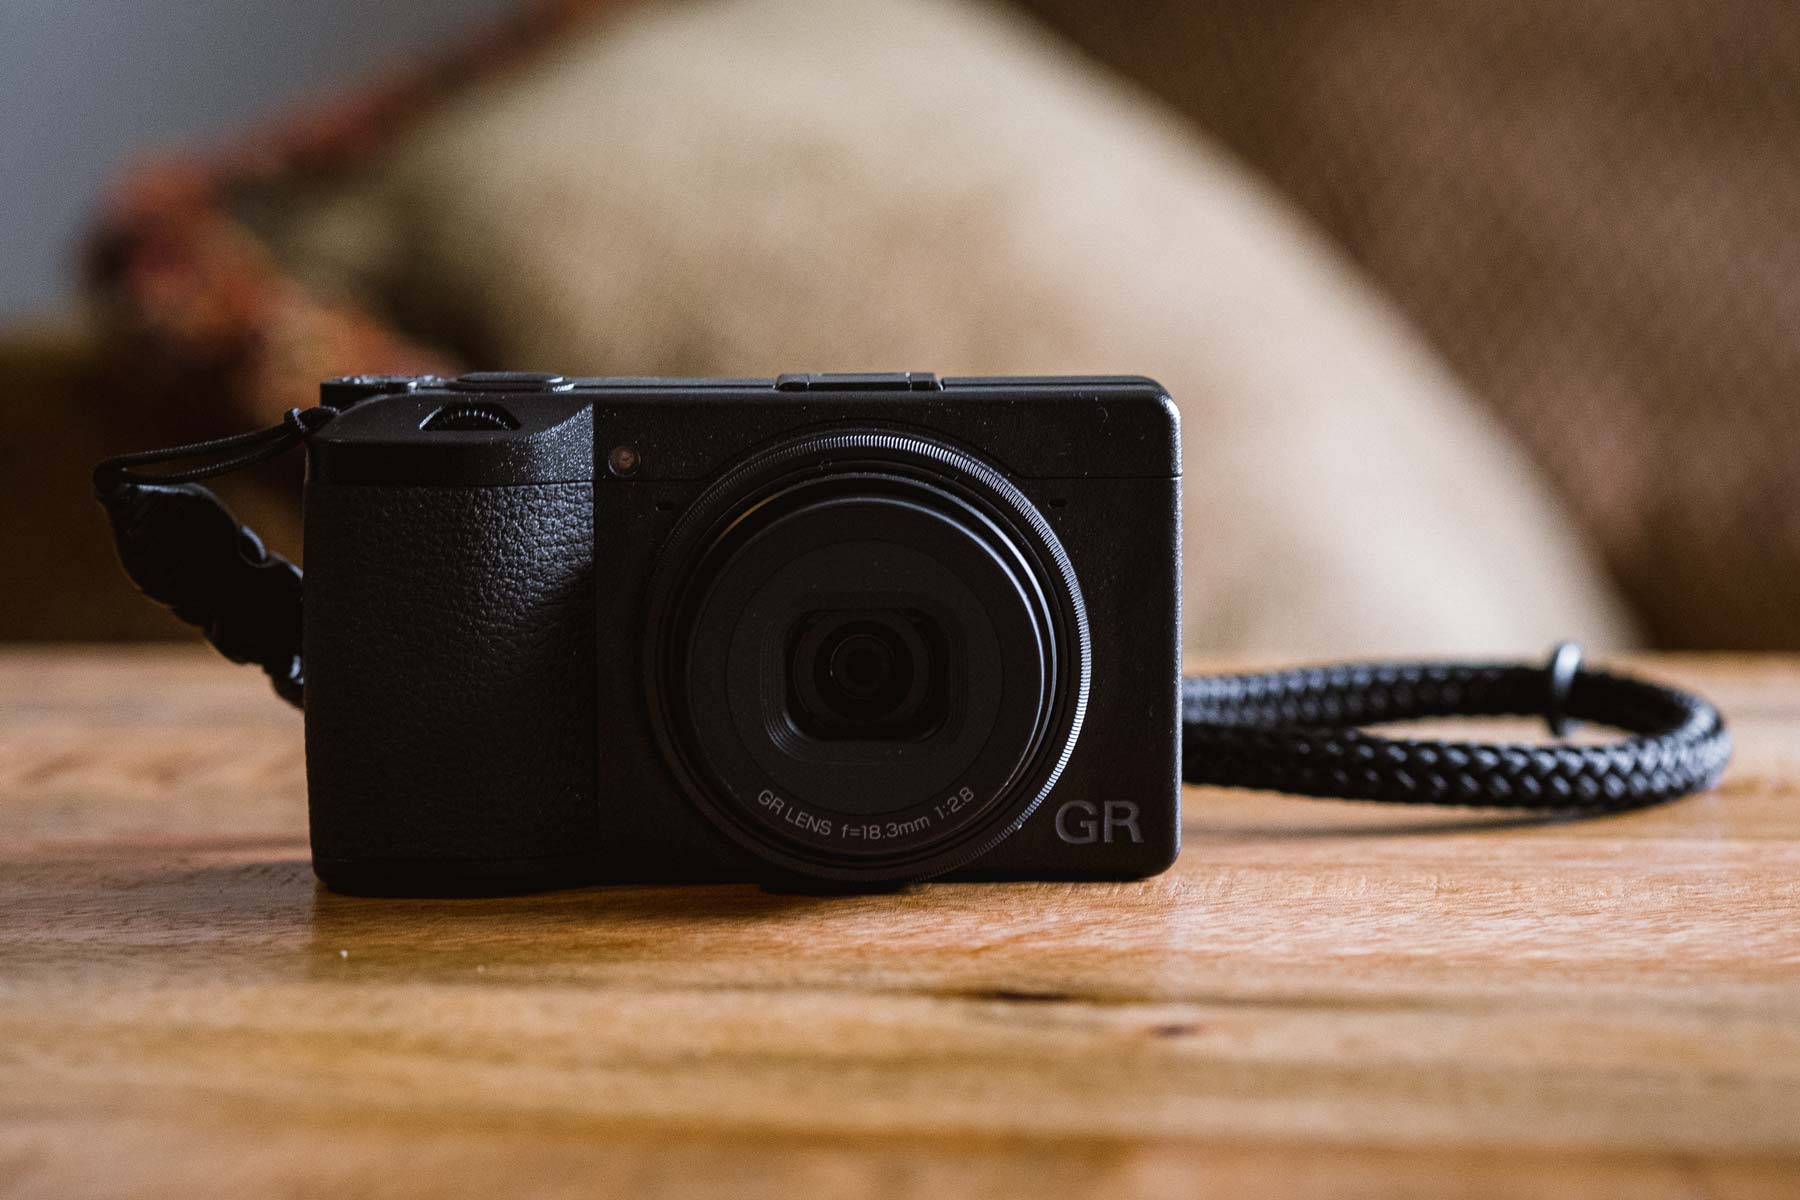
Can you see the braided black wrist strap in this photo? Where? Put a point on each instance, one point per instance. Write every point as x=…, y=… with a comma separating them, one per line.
x=1287, y=731
x=1295, y=731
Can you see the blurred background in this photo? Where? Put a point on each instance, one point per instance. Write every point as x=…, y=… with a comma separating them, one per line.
x=1482, y=318
x=93, y=85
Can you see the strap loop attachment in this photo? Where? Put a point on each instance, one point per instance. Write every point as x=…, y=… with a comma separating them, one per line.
x=1559, y=678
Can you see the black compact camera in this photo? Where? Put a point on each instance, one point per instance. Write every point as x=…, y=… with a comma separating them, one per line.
x=821, y=630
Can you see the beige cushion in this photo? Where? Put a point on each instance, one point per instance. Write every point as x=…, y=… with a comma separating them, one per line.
x=753, y=186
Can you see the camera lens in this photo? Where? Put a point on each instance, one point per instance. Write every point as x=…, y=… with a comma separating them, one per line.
x=876, y=674
x=862, y=670
x=867, y=655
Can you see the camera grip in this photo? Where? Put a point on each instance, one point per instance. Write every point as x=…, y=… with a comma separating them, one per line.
x=449, y=643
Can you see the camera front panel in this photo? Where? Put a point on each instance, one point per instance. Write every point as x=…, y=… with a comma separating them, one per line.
x=482, y=633
x=876, y=695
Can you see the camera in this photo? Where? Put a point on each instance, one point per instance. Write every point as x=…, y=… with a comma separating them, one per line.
x=820, y=631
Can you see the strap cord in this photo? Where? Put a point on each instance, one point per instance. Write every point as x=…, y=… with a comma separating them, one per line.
x=222, y=455
x=185, y=550
x=1297, y=731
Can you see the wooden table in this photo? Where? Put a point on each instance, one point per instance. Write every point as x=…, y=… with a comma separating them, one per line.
x=1320, y=997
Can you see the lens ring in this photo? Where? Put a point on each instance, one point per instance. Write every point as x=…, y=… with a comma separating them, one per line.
x=749, y=740
x=941, y=482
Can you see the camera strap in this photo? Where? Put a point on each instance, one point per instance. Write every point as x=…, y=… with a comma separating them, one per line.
x=1298, y=731
x=182, y=547
x=1302, y=732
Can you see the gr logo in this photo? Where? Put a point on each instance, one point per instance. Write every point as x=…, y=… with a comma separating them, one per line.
x=1082, y=823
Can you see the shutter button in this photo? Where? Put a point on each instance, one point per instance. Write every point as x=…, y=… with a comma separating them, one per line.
x=511, y=381
x=891, y=381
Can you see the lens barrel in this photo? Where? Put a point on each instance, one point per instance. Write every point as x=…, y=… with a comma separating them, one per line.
x=867, y=655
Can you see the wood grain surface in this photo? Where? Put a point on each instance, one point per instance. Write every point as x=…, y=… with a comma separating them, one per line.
x=1320, y=998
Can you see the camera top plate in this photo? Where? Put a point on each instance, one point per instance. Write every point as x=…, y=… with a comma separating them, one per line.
x=556, y=429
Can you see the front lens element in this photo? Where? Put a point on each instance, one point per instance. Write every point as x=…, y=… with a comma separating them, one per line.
x=868, y=674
